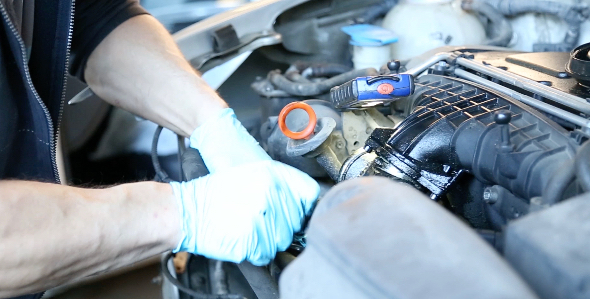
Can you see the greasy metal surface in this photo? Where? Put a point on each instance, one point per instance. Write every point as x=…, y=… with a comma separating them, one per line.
x=358, y=125
x=357, y=165
x=326, y=146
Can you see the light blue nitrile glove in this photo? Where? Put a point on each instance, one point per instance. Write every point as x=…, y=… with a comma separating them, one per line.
x=223, y=142
x=246, y=212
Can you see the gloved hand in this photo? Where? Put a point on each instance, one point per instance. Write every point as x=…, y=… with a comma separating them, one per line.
x=223, y=142
x=247, y=212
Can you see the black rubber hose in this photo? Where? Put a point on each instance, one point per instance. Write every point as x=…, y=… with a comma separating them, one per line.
x=161, y=175
x=181, y=150
x=184, y=289
x=558, y=183
x=314, y=89
x=502, y=28
x=295, y=76
x=325, y=70
x=583, y=166
x=319, y=69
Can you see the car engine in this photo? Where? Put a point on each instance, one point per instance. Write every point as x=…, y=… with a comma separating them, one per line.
x=492, y=135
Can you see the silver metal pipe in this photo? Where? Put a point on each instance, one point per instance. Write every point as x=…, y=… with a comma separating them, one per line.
x=573, y=118
x=428, y=63
x=558, y=96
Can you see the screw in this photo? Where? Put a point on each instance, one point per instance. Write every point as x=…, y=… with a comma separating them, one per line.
x=339, y=144
x=490, y=196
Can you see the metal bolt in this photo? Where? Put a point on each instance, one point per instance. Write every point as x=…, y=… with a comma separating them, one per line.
x=490, y=196
x=339, y=144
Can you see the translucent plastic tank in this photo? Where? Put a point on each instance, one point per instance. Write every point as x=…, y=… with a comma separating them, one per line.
x=422, y=25
x=534, y=28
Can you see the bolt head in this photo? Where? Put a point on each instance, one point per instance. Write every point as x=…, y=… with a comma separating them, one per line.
x=503, y=117
x=394, y=65
x=490, y=196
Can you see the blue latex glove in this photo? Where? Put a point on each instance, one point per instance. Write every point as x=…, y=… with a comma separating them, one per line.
x=223, y=142
x=246, y=212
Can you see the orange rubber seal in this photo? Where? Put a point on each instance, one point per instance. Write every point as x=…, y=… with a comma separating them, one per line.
x=306, y=133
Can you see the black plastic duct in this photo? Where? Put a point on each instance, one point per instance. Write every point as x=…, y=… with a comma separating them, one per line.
x=459, y=127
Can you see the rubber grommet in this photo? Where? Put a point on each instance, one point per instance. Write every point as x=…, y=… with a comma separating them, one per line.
x=306, y=133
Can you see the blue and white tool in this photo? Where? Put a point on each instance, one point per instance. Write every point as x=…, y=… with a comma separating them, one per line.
x=371, y=91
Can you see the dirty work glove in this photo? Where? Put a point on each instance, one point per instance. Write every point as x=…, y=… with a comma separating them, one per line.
x=223, y=142
x=248, y=212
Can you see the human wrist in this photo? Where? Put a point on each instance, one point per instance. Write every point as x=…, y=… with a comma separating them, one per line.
x=217, y=118
x=208, y=109
x=185, y=206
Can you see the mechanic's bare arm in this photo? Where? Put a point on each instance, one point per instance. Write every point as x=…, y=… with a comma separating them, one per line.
x=138, y=67
x=51, y=234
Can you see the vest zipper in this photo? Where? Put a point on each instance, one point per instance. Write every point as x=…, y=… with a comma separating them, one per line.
x=21, y=43
x=53, y=135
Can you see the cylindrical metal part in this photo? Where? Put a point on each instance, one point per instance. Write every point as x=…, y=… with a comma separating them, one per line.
x=428, y=63
x=329, y=161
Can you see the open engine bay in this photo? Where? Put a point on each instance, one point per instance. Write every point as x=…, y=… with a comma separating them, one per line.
x=485, y=141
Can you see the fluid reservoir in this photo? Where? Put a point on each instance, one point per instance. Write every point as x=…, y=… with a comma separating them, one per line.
x=532, y=28
x=422, y=25
x=370, y=45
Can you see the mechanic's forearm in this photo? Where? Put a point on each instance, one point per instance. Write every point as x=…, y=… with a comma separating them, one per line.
x=52, y=234
x=138, y=67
